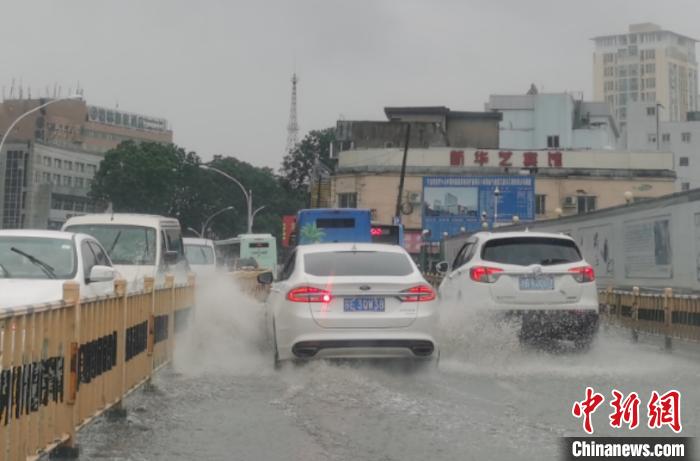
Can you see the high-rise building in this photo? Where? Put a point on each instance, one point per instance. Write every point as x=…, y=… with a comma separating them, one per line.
x=647, y=64
x=51, y=156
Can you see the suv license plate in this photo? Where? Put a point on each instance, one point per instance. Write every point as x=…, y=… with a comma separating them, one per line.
x=541, y=283
x=363, y=304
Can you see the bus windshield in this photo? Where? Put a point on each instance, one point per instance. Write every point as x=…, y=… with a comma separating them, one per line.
x=126, y=245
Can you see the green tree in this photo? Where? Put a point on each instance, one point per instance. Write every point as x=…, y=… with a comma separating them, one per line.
x=167, y=180
x=298, y=165
x=145, y=178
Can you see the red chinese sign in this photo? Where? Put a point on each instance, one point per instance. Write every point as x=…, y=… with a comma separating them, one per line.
x=508, y=158
x=662, y=410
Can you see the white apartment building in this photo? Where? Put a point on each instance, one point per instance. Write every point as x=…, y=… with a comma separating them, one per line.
x=553, y=121
x=682, y=138
x=646, y=64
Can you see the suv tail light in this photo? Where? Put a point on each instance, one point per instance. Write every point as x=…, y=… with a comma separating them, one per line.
x=583, y=274
x=484, y=274
x=309, y=295
x=420, y=293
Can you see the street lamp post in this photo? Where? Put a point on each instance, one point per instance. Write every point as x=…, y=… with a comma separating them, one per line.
x=195, y=232
x=248, y=194
x=496, y=194
x=203, y=234
x=29, y=112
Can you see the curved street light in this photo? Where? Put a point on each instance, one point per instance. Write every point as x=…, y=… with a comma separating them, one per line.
x=195, y=232
x=212, y=216
x=29, y=112
x=248, y=194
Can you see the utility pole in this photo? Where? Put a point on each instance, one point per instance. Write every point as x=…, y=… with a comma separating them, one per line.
x=403, y=174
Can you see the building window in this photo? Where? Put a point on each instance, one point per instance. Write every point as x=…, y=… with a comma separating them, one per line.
x=609, y=71
x=651, y=111
x=684, y=161
x=57, y=163
x=540, y=204
x=651, y=83
x=92, y=169
x=586, y=203
x=67, y=181
x=46, y=178
x=666, y=137
x=685, y=186
x=651, y=138
x=552, y=141
x=56, y=180
x=685, y=137
x=68, y=165
x=347, y=200
x=79, y=182
x=47, y=161
x=79, y=166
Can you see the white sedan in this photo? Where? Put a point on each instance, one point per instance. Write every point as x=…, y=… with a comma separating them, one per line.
x=35, y=264
x=540, y=277
x=351, y=300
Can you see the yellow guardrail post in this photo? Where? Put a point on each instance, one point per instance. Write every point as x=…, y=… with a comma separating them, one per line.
x=71, y=297
x=668, y=318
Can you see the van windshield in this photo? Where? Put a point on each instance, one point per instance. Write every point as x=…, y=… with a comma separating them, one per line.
x=126, y=245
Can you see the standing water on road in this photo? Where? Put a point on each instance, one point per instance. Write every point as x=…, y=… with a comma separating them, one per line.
x=489, y=399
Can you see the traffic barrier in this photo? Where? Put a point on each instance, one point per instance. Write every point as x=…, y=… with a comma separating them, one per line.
x=667, y=314
x=65, y=363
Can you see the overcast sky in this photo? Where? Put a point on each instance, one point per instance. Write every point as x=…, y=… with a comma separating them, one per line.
x=220, y=71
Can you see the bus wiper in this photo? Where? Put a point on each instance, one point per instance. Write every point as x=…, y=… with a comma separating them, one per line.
x=114, y=243
x=4, y=272
x=46, y=268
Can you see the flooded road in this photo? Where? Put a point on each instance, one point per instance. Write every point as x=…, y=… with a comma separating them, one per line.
x=489, y=399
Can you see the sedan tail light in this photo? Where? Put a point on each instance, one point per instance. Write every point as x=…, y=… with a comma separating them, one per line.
x=309, y=295
x=420, y=293
x=583, y=274
x=484, y=274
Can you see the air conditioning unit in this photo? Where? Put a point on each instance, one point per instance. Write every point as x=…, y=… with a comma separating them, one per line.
x=569, y=202
x=414, y=198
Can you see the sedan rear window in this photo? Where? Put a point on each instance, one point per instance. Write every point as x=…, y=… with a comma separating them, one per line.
x=357, y=263
x=524, y=251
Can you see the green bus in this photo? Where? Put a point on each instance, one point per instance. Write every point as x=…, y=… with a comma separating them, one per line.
x=249, y=251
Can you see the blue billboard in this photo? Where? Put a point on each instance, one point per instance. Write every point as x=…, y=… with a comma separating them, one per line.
x=451, y=203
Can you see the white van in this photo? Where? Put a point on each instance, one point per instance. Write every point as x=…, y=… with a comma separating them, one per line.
x=139, y=245
x=201, y=256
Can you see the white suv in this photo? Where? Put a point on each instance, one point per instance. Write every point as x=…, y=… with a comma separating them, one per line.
x=540, y=277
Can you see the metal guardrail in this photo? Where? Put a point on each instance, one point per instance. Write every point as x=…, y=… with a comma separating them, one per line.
x=63, y=364
x=666, y=314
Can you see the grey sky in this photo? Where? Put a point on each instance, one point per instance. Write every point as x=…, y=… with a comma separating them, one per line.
x=219, y=71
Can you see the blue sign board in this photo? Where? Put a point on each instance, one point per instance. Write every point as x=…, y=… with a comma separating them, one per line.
x=451, y=203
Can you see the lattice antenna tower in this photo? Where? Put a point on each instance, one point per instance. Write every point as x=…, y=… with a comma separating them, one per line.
x=293, y=126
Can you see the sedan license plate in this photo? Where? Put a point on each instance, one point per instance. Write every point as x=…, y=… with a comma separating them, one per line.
x=364, y=304
x=540, y=283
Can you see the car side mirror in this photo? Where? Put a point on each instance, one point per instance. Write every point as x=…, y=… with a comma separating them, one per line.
x=171, y=257
x=265, y=278
x=442, y=267
x=101, y=274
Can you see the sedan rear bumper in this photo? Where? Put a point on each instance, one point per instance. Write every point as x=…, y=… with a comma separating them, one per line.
x=364, y=348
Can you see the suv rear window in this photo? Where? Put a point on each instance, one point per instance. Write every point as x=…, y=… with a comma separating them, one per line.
x=524, y=251
x=357, y=263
